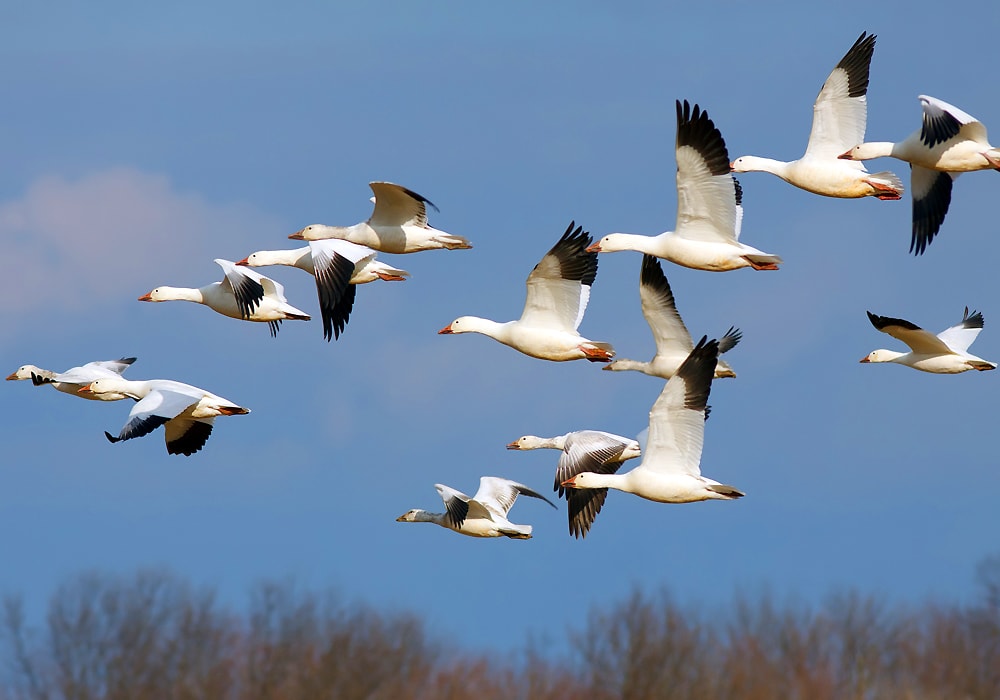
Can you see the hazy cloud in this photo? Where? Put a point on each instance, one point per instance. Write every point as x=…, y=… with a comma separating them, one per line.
x=73, y=244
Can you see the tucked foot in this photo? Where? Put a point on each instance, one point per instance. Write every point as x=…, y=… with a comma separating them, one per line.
x=596, y=354
x=390, y=278
x=761, y=266
x=992, y=161
x=884, y=191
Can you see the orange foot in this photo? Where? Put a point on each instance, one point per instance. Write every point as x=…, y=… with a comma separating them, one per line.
x=596, y=354
x=390, y=278
x=992, y=161
x=761, y=266
x=885, y=192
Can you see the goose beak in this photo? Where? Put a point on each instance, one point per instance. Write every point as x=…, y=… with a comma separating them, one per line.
x=732, y=166
x=446, y=330
x=146, y=297
x=569, y=483
x=85, y=390
x=513, y=446
x=864, y=359
x=845, y=156
x=594, y=248
x=297, y=236
x=12, y=376
x=244, y=261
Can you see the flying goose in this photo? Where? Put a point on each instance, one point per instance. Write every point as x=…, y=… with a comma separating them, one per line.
x=944, y=353
x=242, y=294
x=483, y=515
x=337, y=265
x=185, y=411
x=558, y=291
x=398, y=224
x=70, y=381
x=669, y=471
x=948, y=143
x=709, y=206
x=840, y=114
x=583, y=451
x=673, y=342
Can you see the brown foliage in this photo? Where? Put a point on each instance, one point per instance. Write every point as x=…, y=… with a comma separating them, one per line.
x=152, y=636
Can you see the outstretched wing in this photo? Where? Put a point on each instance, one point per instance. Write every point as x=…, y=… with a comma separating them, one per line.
x=558, y=287
x=245, y=285
x=961, y=336
x=498, y=494
x=396, y=205
x=840, y=112
x=920, y=341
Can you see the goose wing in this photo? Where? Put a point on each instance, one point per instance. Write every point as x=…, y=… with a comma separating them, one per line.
x=931, y=190
x=961, y=336
x=498, y=495
x=459, y=507
x=677, y=419
x=587, y=451
x=334, y=265
x=660, y=311
x=185, y=436
x=152, y=411
x=943, y=122
x=840, y=112
x=244, y=284
x=707, y=193
x=920, y=341
x=396, y=205
x=558, y=287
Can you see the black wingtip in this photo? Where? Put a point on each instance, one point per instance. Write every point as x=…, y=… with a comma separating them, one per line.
x=38, y=380
x=111, y=438
x=856, y=63
x=696, y=130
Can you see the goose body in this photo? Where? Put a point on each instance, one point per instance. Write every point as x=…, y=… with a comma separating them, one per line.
x=709, y=207
x=840, y=115
x=673, y=341
x=337, y=266
x=483, y=515
x=948, y=142
x=398, y=224
x=185, y=411
x=944, y=353
x=583, y=450
x=72, y=380
x=242, y=293
x=669, y=471
x=558, y=290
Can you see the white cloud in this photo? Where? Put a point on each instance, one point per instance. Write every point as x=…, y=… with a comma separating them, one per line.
x=73, y=244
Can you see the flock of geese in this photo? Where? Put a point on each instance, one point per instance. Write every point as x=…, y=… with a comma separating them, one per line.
x=706, y=237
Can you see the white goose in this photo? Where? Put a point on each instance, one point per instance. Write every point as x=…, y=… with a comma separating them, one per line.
x=944, y=353
x=840, y=114
x=673, y=342
x=70, y=381
x=185, y=411
x=338, y=266
x=583, y=451
x=669, y=471
x=558, y=291
x=398, y=224
x=483, y=515
x=242, y=294
x=949, y=142
x=709, y=207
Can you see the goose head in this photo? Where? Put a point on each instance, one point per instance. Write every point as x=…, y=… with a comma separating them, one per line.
x=23, y=372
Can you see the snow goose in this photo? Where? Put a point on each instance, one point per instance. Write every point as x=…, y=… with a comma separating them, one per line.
x=839, y=116
x=944, y=353
x=185, y=411
x=583, y=451
x=70, y=381
x=709, y=206
x=337, y=265
x=673, y=342
x=242, y=294
x=558, y=291
x=483, y=515
x=948, y=143
x=398, y=224
x=669, y=471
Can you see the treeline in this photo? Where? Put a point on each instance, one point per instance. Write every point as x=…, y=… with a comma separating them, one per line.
x=153, y=636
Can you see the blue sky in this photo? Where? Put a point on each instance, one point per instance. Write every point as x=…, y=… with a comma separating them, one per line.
x=140, y=143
